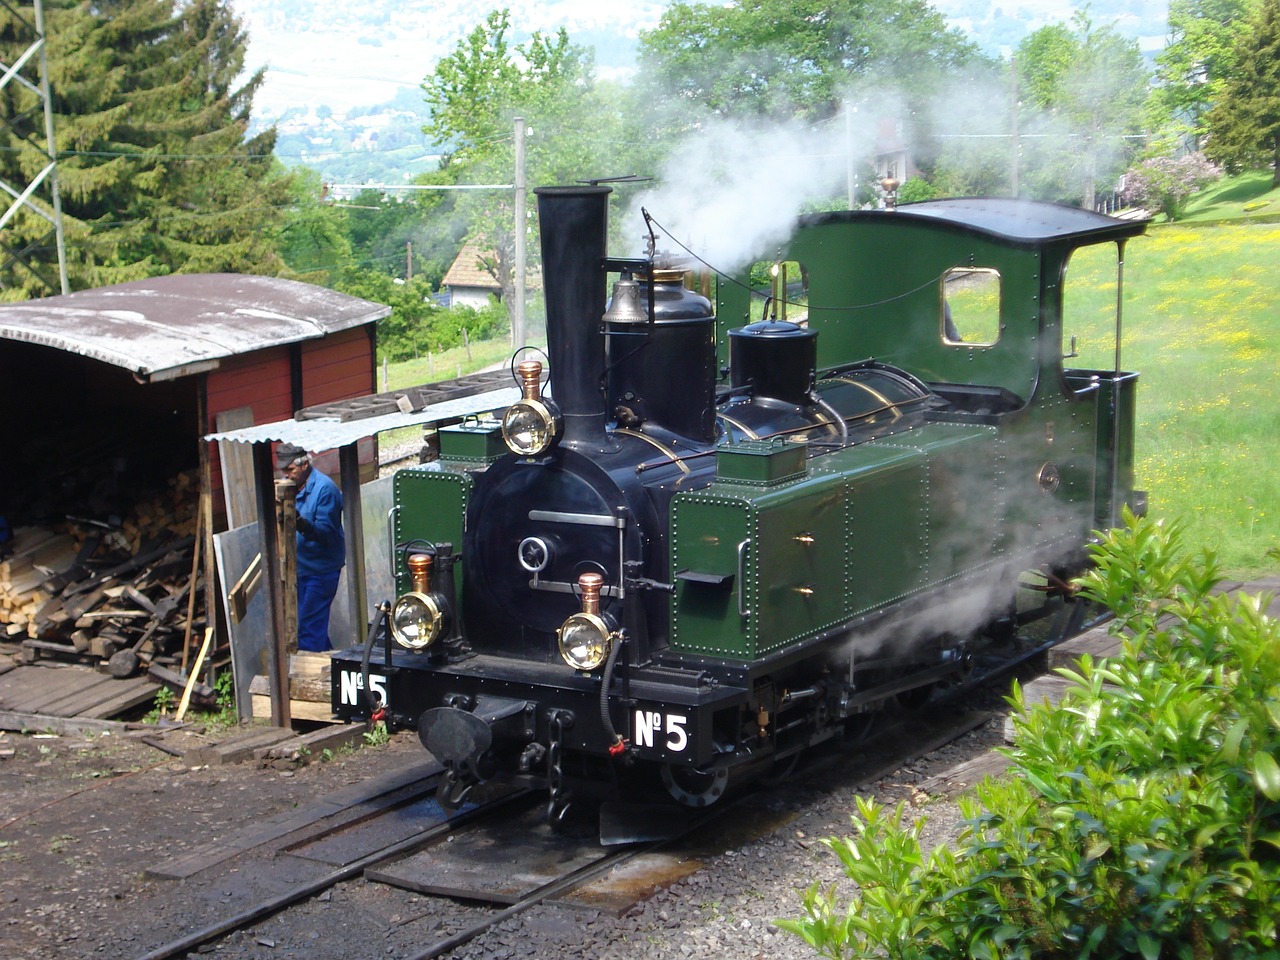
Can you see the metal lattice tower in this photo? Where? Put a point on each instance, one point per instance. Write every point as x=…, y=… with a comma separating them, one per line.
x=40, y=195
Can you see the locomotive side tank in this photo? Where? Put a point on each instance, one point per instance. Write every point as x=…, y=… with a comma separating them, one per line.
x=709, y=540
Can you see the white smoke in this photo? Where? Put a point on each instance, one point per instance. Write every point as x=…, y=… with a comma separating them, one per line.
x=732, y=191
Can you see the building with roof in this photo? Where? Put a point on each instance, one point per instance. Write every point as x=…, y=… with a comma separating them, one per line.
x=121, y=383
x=469, y=280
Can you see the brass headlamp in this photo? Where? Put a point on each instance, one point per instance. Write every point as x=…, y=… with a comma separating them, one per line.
x=585, y=639
x=530, y=426
x=417, y=617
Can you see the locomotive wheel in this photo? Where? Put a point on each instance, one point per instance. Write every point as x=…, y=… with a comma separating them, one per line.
x=781, y=770
x=695, y=788
x=916, y=697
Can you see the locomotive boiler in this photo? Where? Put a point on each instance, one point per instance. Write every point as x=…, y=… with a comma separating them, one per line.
x=707, y=536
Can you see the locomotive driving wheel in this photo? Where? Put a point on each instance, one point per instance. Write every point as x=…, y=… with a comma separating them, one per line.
x=695, y=788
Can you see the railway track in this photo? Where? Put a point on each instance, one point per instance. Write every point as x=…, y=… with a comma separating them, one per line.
x=497, y=860
x=458, y=877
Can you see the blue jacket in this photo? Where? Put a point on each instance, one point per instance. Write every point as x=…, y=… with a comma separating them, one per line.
x=323, y=548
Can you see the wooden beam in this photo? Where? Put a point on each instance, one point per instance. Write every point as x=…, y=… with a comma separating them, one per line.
x=238, y=596
x=353, y=524
x=268, y=548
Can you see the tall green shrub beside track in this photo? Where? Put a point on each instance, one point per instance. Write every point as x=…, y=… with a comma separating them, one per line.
x=1141, y=817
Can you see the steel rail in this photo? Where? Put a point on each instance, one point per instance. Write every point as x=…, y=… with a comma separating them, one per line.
x=273, y=905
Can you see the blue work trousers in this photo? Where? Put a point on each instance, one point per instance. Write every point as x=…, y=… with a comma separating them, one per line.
x=315, y=596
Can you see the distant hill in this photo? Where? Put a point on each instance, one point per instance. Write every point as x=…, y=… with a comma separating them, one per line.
x=380, y=143
x=344, y=80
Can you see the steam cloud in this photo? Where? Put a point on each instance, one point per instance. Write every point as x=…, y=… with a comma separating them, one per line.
x=732, y=191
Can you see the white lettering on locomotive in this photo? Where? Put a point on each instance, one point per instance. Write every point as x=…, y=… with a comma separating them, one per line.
x=353, y=683
x=649, y=723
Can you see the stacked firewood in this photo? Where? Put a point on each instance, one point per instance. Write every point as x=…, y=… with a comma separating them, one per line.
x=124, y=592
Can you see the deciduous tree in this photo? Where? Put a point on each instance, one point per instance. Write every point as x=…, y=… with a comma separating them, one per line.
x=475, y=93
x=780, y=58
x=1085, y=86
x=1193, y=66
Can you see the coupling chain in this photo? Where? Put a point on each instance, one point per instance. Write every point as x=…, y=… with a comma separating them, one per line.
x=558, y=802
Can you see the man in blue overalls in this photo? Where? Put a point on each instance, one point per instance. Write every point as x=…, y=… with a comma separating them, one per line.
x=322, y=549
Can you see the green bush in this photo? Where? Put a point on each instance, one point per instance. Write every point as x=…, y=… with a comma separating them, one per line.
x=1141, y=817
x=417, y=324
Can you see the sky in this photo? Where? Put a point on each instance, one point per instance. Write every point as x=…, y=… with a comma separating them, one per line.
x=345, y=56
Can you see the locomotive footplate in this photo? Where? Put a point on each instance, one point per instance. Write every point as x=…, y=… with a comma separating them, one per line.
x=667, y=720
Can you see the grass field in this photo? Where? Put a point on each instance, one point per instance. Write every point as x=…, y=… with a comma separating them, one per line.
x=1202, y=327
x=1249, y=195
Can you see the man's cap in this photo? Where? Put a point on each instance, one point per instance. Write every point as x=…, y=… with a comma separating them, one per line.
x=287, y=453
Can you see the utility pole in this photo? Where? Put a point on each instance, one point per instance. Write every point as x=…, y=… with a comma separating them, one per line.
x=22, y=195
x=1013, y=123
x=519, y=231
x=408, y=260
x=850, y=173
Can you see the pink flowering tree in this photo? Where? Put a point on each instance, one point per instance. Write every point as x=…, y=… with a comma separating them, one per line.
x=1166, y=183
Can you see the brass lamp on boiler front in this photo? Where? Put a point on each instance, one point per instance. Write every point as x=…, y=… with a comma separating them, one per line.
x=531, y=425
x=585, y=639
x=417, y=618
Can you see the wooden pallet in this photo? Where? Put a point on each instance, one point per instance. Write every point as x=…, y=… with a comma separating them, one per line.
x=31, y=693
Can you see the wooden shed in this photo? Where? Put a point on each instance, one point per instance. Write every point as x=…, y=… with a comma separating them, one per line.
x=117, y=385
x=109, y=395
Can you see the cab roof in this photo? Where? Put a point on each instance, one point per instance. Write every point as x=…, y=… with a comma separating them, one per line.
x=1029, y=223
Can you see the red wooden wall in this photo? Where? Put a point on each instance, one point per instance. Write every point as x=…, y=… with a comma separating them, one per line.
x=341, y=366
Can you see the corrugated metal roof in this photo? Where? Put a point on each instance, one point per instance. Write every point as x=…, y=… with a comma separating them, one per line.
x=319, y=435
x=166, y=327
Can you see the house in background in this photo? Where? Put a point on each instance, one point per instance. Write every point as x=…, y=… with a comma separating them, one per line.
x=469, y=282
x=892, y=152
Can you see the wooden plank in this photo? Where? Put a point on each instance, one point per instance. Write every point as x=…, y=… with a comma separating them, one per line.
x=51, y=550
x=964, y=775
x=238, y=596
x=1097, y=642
x=298, y=709
x=11, y=720
x=89, y=690
x=1049, y=689
x=335, y=736
x=105, y=698
x=129, y=694
x=237, y=469
x=39, y=685
x=237, y=749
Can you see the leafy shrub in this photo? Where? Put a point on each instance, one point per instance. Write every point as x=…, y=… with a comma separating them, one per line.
x=417, y=324
x=1140, y=818
x=916, y=189
x=1167, y=183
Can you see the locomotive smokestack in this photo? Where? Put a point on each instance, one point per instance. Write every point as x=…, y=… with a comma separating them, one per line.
x=573, y=224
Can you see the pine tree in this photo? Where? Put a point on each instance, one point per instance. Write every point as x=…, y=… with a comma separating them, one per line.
x=1244, y=125
x=156, y=169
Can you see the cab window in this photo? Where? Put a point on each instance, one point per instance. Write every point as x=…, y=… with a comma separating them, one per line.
x=1089, y=308
x=970, y=306
x=784, y=286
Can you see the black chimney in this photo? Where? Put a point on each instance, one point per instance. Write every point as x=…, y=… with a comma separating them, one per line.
x=573, y=226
